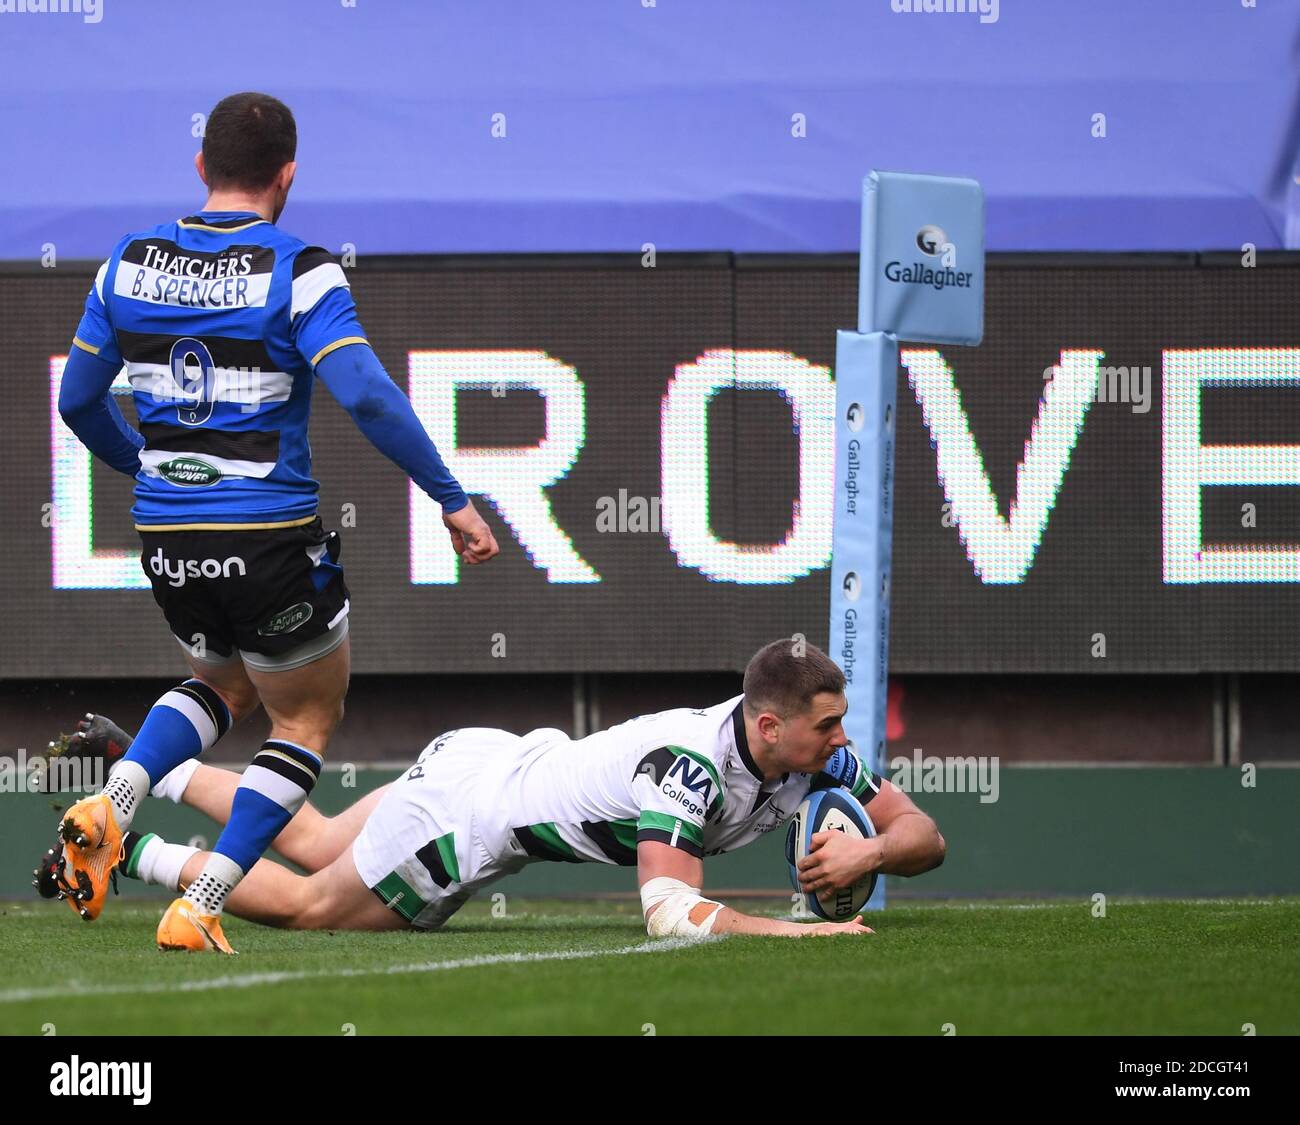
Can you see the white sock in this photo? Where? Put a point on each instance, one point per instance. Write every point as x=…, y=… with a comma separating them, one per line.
x=207, y=894
x=160, y=863
x=127, y=786
x=172, y=786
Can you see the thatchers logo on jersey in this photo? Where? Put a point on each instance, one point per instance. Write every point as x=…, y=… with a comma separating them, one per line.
x=178, y=571
x=91, y=11
x=235, y=261
x=286, y=621
x=189, y=472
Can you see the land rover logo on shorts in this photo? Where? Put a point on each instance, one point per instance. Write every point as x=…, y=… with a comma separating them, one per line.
x=286, y=621
x=930, y=240
x=189, y=472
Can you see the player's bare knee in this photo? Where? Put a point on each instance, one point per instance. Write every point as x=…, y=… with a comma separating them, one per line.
x=334, y=714
x=240, y=699
x=312, y=727
x=318, y=912
x=318, y=852
x=243, y=703
x=295, y=910
x=326, y=721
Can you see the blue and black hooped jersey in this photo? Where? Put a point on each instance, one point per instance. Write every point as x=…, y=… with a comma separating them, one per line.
x=220, y=319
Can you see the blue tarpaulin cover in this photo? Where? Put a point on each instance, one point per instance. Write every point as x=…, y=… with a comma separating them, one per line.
x=676, y=123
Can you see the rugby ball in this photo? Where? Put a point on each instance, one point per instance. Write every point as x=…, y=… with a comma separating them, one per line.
x=829, y=810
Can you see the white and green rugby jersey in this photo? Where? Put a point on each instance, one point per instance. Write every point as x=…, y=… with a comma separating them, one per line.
x=683, y=777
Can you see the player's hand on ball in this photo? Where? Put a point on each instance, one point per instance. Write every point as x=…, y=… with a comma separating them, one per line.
x=834, y=861
x=831, y=929
x=471, y=538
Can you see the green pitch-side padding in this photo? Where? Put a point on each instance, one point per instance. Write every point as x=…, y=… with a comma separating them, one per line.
x=1053, y=831
x=397, y=893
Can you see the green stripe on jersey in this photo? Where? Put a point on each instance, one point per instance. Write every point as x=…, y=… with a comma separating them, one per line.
x=663, y=822
x=705, y=762
x=860, y=785
x=446, y=846
x=548, y=838
x=625, y=832
x=398, y=895
x=710, y=769
x=616, y=839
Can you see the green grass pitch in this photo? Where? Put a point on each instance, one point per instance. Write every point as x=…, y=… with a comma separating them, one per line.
x=1152, y=967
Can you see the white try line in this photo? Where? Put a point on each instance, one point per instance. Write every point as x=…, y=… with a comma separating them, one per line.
x=252, y=980
x=1116, y=901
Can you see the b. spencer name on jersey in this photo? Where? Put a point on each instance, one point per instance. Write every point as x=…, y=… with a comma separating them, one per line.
x=162, y=273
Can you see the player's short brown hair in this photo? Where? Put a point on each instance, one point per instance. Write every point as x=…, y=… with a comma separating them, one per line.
x=249, y=137
x=784, y=676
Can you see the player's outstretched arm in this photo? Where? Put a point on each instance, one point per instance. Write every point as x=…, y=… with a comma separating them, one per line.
x=671, y=880
x=384, y=414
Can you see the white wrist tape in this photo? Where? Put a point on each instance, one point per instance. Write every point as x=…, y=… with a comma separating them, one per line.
x=674, y=901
